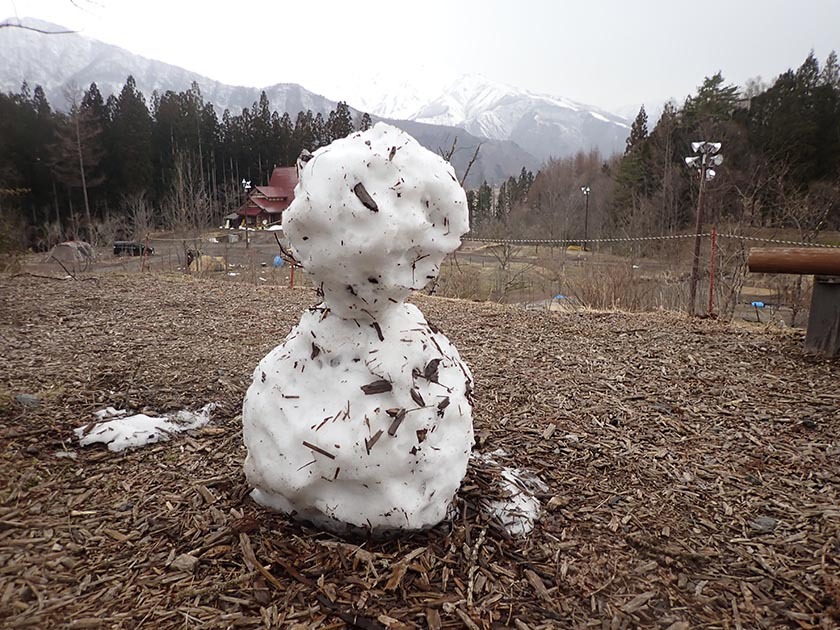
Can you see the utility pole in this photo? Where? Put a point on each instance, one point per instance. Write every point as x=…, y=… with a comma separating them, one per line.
x=709, y=157
x=586, y=190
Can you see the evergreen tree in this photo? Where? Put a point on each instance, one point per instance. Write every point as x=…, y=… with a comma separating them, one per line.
x=285, y=130
x=714, y=99
x=132, y=125
x=40, y=134
x=25, y=134
x=339, y=122
x=320, y=132
x=503, y=200
x=257, y=127
x=830, y=75
x=484, y=202
x=638, y=131
x=796, y=123
x=365, y=123
x=634, y=176
x=94, y=106
x=304, y=134
x=96, y=125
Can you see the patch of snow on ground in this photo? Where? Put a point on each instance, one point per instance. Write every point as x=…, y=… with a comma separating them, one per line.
x=138, y=430
x=109, y=412
x=519, y=511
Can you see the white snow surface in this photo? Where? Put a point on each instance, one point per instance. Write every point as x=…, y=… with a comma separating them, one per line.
x=361, y=418
x=366, y=259
x=139, y=430
x=519, y=511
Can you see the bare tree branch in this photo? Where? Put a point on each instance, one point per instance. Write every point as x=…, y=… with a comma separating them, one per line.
x=447, y=155
x=470, y=163
x=286, y=254
x=33, y=28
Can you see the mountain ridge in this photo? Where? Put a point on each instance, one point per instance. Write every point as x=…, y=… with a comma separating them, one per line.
x=546, y=126
x=515, y=127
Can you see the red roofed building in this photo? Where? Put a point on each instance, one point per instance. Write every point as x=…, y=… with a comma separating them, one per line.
x=265, y=204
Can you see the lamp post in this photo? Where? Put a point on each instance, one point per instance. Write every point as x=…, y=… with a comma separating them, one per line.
x=709, y=157
x=246, y=186
x=586, y=190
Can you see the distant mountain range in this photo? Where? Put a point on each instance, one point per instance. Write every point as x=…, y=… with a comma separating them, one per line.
x=516, y=128
x=545, y=126
x=57, y=61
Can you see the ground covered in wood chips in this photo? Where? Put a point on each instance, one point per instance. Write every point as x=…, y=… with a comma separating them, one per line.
x=693, y=472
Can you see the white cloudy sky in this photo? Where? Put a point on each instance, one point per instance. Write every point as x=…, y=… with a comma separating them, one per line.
x=603, y=52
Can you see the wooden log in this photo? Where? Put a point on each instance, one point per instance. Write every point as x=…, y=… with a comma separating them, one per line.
x=823, y=336
x=796, y=260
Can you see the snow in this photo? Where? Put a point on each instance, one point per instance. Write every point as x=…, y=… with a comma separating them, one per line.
x=384, y=94
x=109, y=412
x=124, y=432
x=519, y=511
x=361, y=418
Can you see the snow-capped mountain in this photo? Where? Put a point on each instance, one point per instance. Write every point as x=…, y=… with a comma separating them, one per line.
x=380, y=95
x=56, y=62
x=546, y=126
x=522, y=128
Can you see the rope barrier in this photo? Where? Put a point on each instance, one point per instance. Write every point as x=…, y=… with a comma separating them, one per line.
x=579, y=241
x=576, y=241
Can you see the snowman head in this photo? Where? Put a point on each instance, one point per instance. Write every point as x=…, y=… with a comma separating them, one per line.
x=374, y=216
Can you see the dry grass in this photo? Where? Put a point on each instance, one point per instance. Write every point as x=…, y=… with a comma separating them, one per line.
x=692, y=470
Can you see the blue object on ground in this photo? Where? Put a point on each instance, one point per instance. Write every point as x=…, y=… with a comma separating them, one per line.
x=758, y=304
x=278, y=261
x=559, y=296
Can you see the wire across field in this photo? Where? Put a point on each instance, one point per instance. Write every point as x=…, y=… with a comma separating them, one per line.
x=692, y=469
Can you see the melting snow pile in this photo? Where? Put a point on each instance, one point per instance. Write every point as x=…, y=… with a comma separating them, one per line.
x=362, y=418
x=518, y=510
x=122, y=432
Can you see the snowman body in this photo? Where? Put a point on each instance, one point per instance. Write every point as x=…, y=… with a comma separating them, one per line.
x=362, y=417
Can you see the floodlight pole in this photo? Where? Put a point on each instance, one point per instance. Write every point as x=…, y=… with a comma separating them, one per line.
x=695, y=265
x=703, y=163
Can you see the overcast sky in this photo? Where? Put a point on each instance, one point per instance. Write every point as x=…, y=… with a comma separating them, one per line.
x=606, y=53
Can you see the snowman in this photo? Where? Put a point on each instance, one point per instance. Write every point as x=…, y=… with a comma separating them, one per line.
x=362, y=417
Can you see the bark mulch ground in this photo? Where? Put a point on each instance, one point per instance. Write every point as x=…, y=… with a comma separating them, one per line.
x=693, y=472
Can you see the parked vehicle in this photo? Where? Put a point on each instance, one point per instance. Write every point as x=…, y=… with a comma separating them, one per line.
x=132, y=248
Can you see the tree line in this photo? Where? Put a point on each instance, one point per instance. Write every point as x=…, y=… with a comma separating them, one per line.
x=63, y=173
x=781, y=169
x=173, y=162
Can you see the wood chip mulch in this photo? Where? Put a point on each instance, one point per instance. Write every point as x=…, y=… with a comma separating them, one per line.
x=693, y=472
